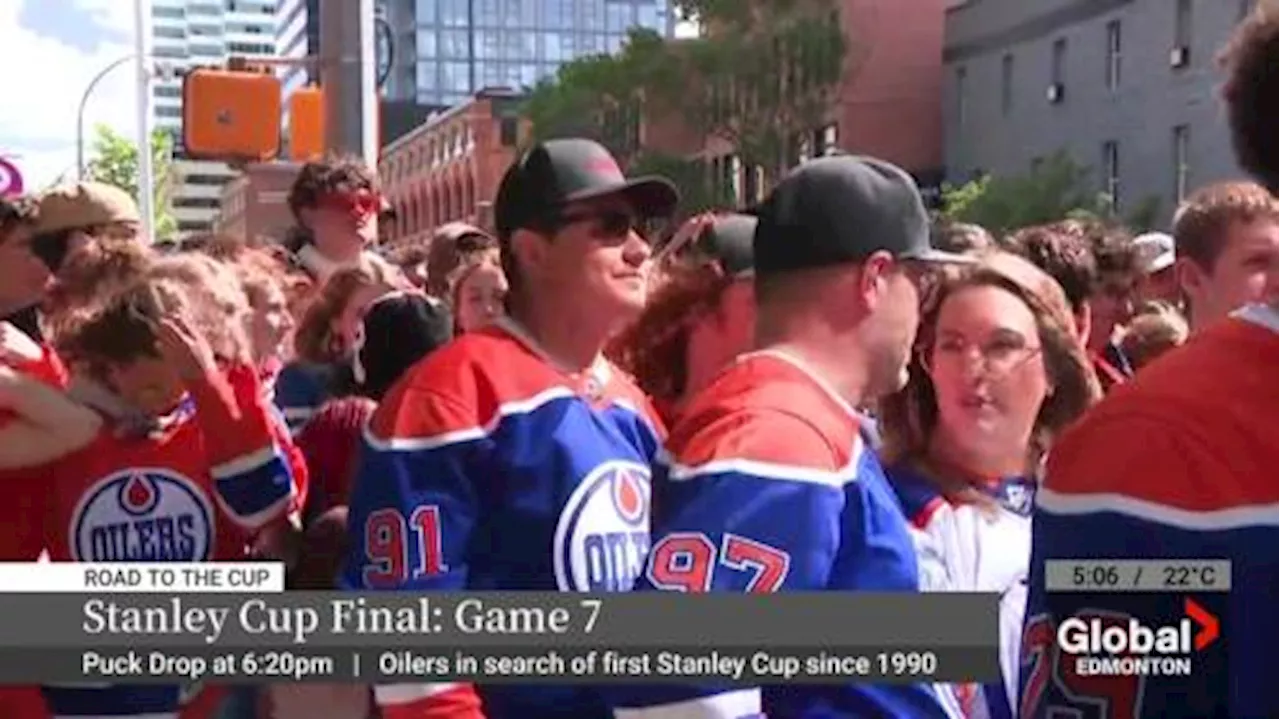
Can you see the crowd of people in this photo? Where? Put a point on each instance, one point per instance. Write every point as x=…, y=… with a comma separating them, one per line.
x=829, y=391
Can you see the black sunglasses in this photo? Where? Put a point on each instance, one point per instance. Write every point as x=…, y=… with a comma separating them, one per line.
x=609, y=223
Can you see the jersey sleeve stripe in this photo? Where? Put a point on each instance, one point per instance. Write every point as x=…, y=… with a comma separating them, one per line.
x=245, y=463
x=464, y=434
x=253, y=492
x=1257, y=515
x=740, y=704
x=391, y=694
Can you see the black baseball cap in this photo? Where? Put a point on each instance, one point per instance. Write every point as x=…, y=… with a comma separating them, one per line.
x=554, y=173
x=400, y=329
x=841, y=209
x=728, y=239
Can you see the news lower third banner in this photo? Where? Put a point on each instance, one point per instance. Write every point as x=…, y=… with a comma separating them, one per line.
x=497, y=637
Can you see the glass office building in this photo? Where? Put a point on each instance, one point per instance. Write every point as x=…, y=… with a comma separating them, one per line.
x=445, y=50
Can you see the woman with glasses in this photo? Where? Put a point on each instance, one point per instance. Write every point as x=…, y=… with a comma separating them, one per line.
x=998, y=372
x=700, y=313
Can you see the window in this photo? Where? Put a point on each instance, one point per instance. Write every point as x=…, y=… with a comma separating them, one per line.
x=1111, y=172
x=962, y=75
x=455, y=44
x=487, y=44
x=1006, y=84
x=1182, y=35
x=553, y=47
x=1113, y=55
x=1058, y=69
x=425, y=11
x=1181, y=161
x=427, y=45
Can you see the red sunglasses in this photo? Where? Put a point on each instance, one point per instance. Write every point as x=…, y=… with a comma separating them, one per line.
x=358, y=204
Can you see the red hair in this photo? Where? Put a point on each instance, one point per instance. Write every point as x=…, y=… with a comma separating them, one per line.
x=653, y=348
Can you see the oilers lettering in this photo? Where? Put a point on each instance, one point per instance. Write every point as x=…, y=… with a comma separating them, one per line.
x=143, y=515
x=615, y=560
x=160, y=539
x=602, y=537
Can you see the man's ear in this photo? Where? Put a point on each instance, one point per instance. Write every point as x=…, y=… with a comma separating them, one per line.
x=307, y=217
x=530, y=251
x=1190, y=277
x=873, y=277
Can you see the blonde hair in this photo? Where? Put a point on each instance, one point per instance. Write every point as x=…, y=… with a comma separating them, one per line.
x=1156, y=328
x=909, y=417
x=222, y=308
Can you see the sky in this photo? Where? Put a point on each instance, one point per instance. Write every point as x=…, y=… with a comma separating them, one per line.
x=55, y=48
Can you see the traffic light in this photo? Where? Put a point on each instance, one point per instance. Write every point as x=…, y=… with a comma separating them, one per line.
x=306, y=124
x=230, y=115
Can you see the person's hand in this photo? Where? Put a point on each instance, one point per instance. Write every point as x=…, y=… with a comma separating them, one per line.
x=184, y=348
x=16, y=347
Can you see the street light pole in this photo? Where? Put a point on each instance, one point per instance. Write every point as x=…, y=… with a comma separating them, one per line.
x=142, y=56
x=84, y=100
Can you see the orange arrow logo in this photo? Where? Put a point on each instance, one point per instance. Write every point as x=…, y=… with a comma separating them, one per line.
x=1209, y=627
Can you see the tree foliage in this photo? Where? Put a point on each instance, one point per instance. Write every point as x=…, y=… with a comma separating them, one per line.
x=1055, y=189
x=114, y=161
x=761, y=76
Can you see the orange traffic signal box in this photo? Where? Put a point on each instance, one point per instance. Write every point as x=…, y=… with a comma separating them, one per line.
x=231, y=115
x=306, y=124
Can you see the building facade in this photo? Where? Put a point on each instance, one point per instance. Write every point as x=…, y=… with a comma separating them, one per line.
x=297, y=36
x=448, y=169
x=255, y=204
x=1127, y=88
x=447, y=50
x=888, y=104
x=194, y=33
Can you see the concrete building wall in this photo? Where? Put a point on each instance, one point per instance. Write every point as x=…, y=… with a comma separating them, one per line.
x=1128, y=88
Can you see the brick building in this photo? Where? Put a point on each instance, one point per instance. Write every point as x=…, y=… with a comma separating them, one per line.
x=448, y=168
x=255, y=203
x=889, y=104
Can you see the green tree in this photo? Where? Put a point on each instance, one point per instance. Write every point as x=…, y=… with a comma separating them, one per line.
x=114, y=161
x=1055, y=189
x=763, y=78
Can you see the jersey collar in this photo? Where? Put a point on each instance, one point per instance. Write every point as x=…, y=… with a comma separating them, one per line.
x=598, y=373
x=808, y=371
x=1260, y=314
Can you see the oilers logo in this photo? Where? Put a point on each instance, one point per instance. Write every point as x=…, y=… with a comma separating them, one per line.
x=142, y=515
x=602, y=537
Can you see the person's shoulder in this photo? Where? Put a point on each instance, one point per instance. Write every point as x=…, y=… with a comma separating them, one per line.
x=465, y=386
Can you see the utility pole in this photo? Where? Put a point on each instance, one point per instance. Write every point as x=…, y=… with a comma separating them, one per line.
x=348, y=78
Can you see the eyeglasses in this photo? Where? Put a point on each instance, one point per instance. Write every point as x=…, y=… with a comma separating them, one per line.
x=608, y=223
x=998, y=355
x=359, y=204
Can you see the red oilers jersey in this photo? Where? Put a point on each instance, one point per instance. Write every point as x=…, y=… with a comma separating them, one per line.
x=193, y=489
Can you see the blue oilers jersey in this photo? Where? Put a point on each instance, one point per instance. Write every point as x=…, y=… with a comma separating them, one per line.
x=487, y=468
x=972, y=547
x=766, y=486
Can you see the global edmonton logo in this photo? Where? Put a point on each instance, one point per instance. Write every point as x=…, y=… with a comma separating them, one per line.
x=1124, y=646
x=602, y=538
x=143, y=515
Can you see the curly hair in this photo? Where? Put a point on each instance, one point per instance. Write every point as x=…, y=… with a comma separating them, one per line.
x=1250, y=61
x=122, y=329
x=1063, y=251
x=91, y=277
x=1200, y=223
x=339, y=173
x=222, y=307
x=652, y=348
x=17, y=212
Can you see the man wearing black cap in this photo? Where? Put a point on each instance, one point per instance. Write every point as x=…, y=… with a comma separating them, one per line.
x=768, y=485
x=517, y=457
